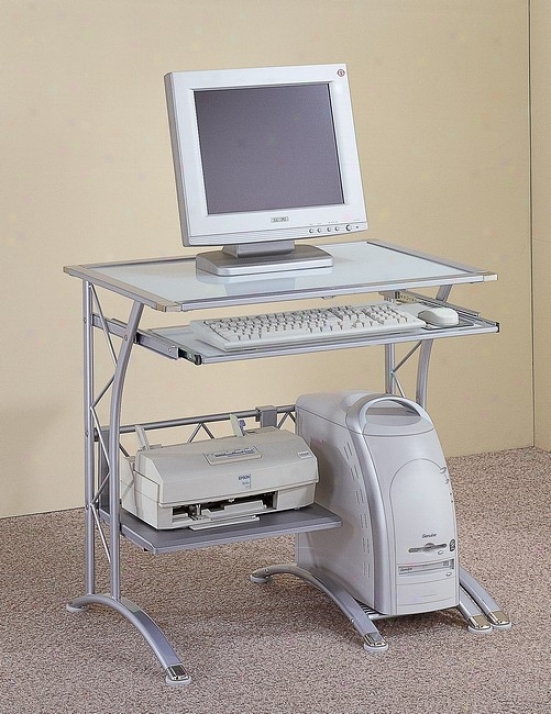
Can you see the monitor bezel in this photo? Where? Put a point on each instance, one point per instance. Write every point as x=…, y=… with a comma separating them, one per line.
x=198, y=227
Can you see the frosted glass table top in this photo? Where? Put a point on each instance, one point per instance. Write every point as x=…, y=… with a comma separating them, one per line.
x=171, y=284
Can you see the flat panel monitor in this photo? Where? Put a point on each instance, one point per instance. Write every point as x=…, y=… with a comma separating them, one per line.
x=264, y=157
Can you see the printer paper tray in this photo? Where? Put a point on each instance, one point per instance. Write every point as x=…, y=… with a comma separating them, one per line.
x=309, y=518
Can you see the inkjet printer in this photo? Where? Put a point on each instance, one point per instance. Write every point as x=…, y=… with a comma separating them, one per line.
x=219, y=481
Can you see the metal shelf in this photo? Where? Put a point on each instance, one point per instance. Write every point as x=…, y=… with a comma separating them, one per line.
x=310, y=518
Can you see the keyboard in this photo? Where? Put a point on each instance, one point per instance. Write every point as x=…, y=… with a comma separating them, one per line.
x=304, y=327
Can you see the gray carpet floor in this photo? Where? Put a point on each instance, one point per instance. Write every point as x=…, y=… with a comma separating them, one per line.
x=281, y=647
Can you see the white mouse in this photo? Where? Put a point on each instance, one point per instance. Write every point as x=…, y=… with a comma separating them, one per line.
x=439, y=316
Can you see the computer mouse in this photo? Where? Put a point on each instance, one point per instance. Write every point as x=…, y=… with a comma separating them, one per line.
x=439, y=316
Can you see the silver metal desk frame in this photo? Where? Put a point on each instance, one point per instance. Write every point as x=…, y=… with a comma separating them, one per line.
x=172, y=285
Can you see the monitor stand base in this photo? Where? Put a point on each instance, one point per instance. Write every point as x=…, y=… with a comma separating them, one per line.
x=302, y=257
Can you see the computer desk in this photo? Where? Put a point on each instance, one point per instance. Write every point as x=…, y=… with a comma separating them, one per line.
x=173, y=285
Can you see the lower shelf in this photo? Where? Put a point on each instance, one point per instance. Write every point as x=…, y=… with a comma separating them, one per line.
x=310, y=518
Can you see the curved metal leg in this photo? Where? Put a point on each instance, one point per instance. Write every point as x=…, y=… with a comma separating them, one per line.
x=174, y=670
x=492, y=611
x=424, y=358
x=476, y=620
x=373, y=641
x=114, y=437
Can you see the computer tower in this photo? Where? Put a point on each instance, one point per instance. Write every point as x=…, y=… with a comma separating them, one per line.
x=382, y=470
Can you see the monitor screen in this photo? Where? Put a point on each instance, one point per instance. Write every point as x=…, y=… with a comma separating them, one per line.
x=264, y=157
x=261, y=151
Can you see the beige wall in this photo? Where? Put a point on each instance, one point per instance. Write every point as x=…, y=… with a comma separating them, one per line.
x=440, y=93
x=541, y=214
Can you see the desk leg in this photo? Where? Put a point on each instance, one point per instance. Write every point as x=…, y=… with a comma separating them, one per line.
x=424, y=357
x=390, y=365
x=489, y=607
x=89, y=465
x=114, y=440
x=373, y=641
x=174, y=671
